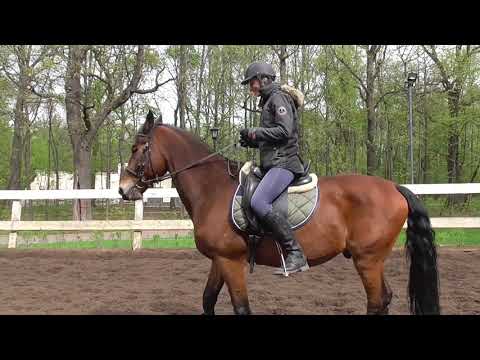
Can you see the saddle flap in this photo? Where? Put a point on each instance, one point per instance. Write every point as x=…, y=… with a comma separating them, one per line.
x=250, y=184
x=244, y=171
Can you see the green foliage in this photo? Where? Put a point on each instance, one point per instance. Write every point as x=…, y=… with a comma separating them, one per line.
x=334, y=120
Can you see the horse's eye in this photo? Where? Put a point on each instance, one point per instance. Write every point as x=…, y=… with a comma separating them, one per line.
x=134, y=148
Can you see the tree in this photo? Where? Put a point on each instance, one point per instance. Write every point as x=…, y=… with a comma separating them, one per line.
x=454, y=69
x=111, y=71
x=369, y=92
x=18, y=65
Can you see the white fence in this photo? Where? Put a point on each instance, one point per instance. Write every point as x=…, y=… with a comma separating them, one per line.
x=138, y=224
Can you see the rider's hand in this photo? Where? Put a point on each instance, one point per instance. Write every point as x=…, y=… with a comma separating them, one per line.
x=244, y=134
x=244, y=143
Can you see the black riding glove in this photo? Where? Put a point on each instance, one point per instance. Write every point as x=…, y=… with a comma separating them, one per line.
x=244, y=143
x=244, y=134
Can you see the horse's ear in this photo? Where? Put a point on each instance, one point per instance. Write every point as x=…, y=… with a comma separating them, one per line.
x=148, y=123
x=159, y=120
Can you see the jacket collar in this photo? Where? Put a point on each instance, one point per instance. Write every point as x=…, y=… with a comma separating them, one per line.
x=267, y=91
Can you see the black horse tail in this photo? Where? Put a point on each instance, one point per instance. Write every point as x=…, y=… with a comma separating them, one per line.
x=423, y=282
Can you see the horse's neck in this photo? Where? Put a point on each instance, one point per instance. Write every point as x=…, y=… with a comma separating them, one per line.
x=198, y=187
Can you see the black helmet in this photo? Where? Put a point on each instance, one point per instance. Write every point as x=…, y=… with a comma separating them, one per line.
x=258, y=69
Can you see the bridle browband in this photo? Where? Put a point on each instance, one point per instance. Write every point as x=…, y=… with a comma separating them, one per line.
x=143, y=183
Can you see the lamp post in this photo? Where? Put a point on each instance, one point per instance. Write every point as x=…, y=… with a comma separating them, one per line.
x=214, y=132
x=410, y=83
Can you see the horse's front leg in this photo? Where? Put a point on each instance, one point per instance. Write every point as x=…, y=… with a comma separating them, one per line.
x=212, y=289
x=234, y=272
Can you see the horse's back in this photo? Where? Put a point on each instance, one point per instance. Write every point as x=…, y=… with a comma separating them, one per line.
x=358, y=185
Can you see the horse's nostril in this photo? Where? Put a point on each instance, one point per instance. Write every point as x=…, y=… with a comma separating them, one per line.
x=120, y=191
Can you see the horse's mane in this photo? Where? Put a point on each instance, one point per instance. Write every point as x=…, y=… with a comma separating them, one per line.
x=235, y=165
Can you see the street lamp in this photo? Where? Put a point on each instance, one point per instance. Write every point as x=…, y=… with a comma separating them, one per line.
x=410, y=83
x=214, y=132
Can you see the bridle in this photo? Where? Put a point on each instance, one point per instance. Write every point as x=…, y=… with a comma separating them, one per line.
x=143, y=183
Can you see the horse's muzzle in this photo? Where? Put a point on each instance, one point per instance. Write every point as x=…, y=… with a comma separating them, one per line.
x=132, y=194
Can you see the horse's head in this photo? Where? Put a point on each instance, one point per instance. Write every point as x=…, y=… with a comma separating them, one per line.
x=146, y=162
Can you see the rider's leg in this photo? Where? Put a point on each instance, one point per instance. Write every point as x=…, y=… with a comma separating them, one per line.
x=275, y=181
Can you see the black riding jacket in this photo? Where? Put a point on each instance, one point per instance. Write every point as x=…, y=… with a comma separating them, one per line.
x=277, y=136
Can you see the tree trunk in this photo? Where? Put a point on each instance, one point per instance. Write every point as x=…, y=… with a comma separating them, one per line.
x=82, y=160
x=199, y=91
x=371, y=116
x=27, y=156
x=121, y=138
x=182, y=90
x=14, y=181
x=283, y=64
x=16, y=153
x=454, y=167
x=301, y=144
x=425, y=132
x=77, y=129
x=109, y=153
x=453, y=164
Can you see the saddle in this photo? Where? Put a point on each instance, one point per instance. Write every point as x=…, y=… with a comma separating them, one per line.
x=298, y=203
x=250, y=177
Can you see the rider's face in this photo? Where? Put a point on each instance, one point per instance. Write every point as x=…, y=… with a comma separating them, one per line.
x=255, y=87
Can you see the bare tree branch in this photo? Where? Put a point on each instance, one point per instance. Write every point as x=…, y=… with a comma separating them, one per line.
x=156, y=87
x=251, y=110
x=98, y=77
x=362, y=95
x=360, y=81
x=120, y=99
x=45, y=51
x=433, y=55
x=380, y=99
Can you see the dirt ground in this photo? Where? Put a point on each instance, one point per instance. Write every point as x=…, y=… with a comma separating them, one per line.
x=172, y=282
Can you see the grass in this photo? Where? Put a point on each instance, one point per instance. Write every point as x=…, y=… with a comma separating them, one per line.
x=154, y=243
x=451, y=237
x=63, y=211
x=444, y=237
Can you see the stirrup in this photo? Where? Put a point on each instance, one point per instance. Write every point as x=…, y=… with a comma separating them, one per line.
x=286, y=273
x=283, y=270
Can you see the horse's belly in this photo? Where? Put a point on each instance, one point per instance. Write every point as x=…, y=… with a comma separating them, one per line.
x=267, y=254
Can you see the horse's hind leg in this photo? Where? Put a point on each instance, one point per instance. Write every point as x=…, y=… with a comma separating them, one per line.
x=378, y=292
x=212, y=289
x=387, y=295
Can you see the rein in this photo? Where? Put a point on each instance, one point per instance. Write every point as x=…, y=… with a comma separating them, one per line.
x=146, y=182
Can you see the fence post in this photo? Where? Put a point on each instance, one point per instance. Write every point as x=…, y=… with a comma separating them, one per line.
x=16, y=215
x=137, y=235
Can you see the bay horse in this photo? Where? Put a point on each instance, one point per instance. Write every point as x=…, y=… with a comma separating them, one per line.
x=359, y=216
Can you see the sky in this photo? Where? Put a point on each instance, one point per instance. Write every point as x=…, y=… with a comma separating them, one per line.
x=167, y=96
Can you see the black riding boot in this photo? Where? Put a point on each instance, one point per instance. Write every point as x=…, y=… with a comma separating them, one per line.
x=279, y=226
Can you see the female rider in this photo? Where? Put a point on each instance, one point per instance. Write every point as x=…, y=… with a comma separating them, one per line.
x=277, y=140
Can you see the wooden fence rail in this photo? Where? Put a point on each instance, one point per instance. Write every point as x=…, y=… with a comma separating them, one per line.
x=138, y=224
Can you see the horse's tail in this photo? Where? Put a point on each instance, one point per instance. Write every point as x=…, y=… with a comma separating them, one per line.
x=423, y=282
